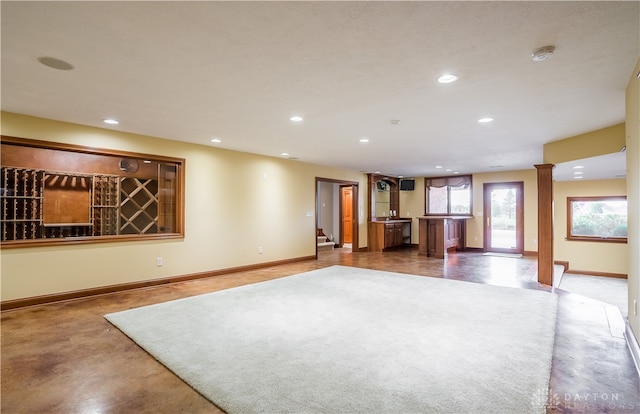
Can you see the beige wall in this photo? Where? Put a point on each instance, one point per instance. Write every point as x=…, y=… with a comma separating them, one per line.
x=475, y=229
x=231, y=209
x=602, y=141
x=633, y=193
x=412, y=206
x=583, y=255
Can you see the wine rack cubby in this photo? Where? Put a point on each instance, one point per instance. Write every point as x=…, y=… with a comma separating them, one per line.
x=138, y=206
x=21, y=200
x=105, y=205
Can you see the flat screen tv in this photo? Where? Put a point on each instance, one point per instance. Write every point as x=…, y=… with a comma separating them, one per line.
x=407, y=185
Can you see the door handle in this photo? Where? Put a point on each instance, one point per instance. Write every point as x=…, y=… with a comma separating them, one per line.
x=488, y=221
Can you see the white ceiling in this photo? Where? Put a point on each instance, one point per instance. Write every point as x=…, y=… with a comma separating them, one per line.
x=190, y=71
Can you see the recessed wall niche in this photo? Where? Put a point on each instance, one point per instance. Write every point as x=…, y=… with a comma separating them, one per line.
x=53, y=193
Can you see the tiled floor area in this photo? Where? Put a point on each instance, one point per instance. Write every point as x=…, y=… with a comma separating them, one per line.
x=66, y=358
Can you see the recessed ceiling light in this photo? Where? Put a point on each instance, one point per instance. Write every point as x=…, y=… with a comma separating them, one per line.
x=364, y=139
x=496, y=166
x=438, y=166
x=447, y=78
x=395, y=121
x=485, y=120
x=456, y=172
x=110, y=121
x=55, y=63
x=376, y=172
x=577, y=167
x=216, y=140
x=296, y=118
x=147, y=161
x=285, y=154
x=578, y=173
x=448, y=170
x=577, y=177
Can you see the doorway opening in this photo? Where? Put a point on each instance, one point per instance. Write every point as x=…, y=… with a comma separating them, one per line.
x=336, y=214
x=346, y=216
x=504, y=217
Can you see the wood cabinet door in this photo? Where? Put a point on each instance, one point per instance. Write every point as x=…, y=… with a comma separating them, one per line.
x=389, y=235
x=398, y=234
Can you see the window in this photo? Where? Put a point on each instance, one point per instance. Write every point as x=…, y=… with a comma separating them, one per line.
x=448, y=195
x=53, y=194
x=601, y=219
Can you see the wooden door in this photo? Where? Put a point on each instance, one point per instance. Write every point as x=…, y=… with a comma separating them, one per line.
x=346, y=194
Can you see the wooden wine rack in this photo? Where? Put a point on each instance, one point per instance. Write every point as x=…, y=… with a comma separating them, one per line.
x=21, y=200
x=105, y=206
x=119, y=205
x=138, y=206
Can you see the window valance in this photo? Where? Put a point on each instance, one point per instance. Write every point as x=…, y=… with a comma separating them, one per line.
x=455, y=181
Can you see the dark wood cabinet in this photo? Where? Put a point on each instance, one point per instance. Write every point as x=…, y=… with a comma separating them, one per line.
x=439, y=234
x=389, y=234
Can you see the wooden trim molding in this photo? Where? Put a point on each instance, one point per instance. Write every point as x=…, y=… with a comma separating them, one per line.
x=599, y=238
x=590, y=273
x=394, y=196
x=545, y=223
x=104, y=290
x=487, y=189
x=355, y=205
x=564, y=264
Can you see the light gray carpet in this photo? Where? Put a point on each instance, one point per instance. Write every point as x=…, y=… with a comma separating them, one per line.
x=609, y=290
x=352, y=340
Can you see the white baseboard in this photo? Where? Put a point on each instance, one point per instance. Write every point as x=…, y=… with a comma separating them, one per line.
x=634, y=348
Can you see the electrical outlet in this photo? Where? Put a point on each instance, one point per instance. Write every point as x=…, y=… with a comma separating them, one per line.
x=159, y=261
x=260, y=251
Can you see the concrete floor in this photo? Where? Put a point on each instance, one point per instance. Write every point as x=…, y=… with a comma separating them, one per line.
x=66, y=358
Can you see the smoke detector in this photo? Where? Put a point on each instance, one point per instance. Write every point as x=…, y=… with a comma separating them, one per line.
x=542, y=53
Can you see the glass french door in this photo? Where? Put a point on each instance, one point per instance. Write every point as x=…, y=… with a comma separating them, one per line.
x=504, y=217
